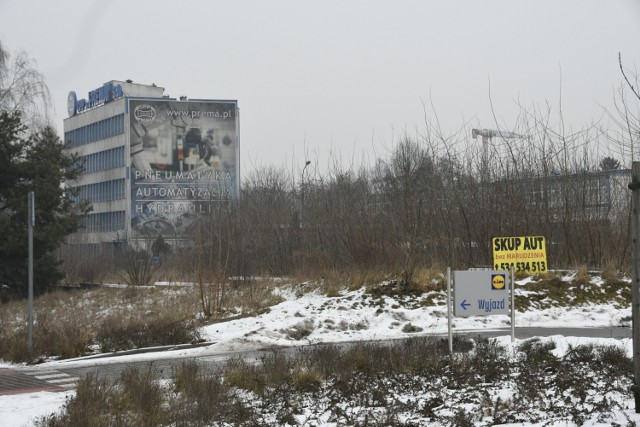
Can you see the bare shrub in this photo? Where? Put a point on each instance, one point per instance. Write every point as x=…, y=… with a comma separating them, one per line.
x=96, y=403
x=13, y=346
x=137, y=266
x=306, y=379
x=300, y=330
x=487, y=349
x=537, y=353
x=409, y=328
x=277, y=367
x=240, y=374
x=57, y=336
x=54, y=335
x=582, y=276
x=143, y=397
x=201, y=397
x=117, y=333
x=610, y=271
x=83, y=265
x=462, y=419
x=248, y=297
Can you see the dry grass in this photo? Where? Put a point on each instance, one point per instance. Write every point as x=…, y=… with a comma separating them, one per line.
x=332, y=281
x=582, y=275
x=71, y=323
x=430, y=279
x=610, y=271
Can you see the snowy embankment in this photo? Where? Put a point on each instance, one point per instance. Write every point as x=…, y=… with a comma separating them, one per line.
x=313, y=317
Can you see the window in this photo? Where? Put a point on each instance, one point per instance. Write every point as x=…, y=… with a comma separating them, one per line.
x=104, y=160
x=95, y=131
x=103, y=222
x=101, y=191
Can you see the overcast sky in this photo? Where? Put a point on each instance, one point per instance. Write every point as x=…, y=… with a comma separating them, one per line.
x=343, y=78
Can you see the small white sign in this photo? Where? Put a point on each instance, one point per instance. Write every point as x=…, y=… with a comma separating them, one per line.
x=480, y=293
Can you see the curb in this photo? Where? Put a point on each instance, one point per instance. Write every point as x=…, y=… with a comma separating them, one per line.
x=142, y=350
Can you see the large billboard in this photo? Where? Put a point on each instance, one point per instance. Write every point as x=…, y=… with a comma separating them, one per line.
x=523, y=253
x=184, y=161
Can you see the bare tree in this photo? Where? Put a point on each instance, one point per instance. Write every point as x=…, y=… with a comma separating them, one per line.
x=23, y=88
x=408, y=186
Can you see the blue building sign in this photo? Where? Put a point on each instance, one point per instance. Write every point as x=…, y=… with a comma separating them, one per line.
x=106, y=93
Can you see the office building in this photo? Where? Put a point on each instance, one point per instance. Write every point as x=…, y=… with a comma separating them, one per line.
x=152, y=163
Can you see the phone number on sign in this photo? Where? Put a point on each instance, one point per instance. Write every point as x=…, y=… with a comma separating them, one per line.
x=532, y=266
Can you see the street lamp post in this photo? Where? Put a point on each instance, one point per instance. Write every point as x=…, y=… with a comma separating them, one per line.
x=307, y=163
x=31, y=205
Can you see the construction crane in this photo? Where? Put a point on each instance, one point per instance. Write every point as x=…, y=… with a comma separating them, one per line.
x=488, y=134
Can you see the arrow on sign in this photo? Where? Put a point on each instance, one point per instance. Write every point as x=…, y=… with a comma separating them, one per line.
x=464, y=304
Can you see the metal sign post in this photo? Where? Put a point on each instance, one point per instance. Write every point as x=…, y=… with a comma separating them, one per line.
x=449, y=321
x=31, y=219
x=513, y=305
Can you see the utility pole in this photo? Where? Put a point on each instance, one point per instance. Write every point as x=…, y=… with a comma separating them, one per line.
x=634, y=186
x=304, y=242
x=307, y=163
x=31, y=219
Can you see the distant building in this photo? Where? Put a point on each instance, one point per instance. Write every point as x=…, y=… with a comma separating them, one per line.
x=151, y=163
x=585, y=196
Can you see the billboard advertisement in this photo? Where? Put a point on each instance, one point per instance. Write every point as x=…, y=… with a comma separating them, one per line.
x=184, y=161
x=523, y=253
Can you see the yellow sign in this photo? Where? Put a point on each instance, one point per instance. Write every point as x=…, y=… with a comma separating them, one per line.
x=497, y=281
x=526, y=253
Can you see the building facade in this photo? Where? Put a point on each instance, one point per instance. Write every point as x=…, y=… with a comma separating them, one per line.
x=151, y=163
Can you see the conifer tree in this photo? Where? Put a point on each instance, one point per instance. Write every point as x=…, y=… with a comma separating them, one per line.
x=35, y=163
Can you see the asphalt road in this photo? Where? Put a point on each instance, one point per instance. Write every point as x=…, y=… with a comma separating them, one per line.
x=617, y=332
x=165, y=363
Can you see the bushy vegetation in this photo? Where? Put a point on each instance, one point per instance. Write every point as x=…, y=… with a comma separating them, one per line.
x=409, y=383
x=78, y=322
x=75, y=323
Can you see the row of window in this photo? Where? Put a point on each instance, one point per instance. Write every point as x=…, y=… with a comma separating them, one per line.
x=95, y=131
x=102, y=222
x=102, y=160
x=101, y=191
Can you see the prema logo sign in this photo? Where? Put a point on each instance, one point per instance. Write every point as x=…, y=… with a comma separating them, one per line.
x=102, y=95
x=144, y=113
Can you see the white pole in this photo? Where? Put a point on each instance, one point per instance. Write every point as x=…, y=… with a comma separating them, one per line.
x=449, y=322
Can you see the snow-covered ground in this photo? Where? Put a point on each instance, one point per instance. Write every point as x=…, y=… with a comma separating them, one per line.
x=313, y=318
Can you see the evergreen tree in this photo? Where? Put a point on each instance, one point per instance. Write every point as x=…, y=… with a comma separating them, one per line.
x=609, y=164
x=35, y=163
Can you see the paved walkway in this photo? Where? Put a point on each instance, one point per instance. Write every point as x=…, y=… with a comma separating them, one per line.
x=13, y=381
x=29, y=379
